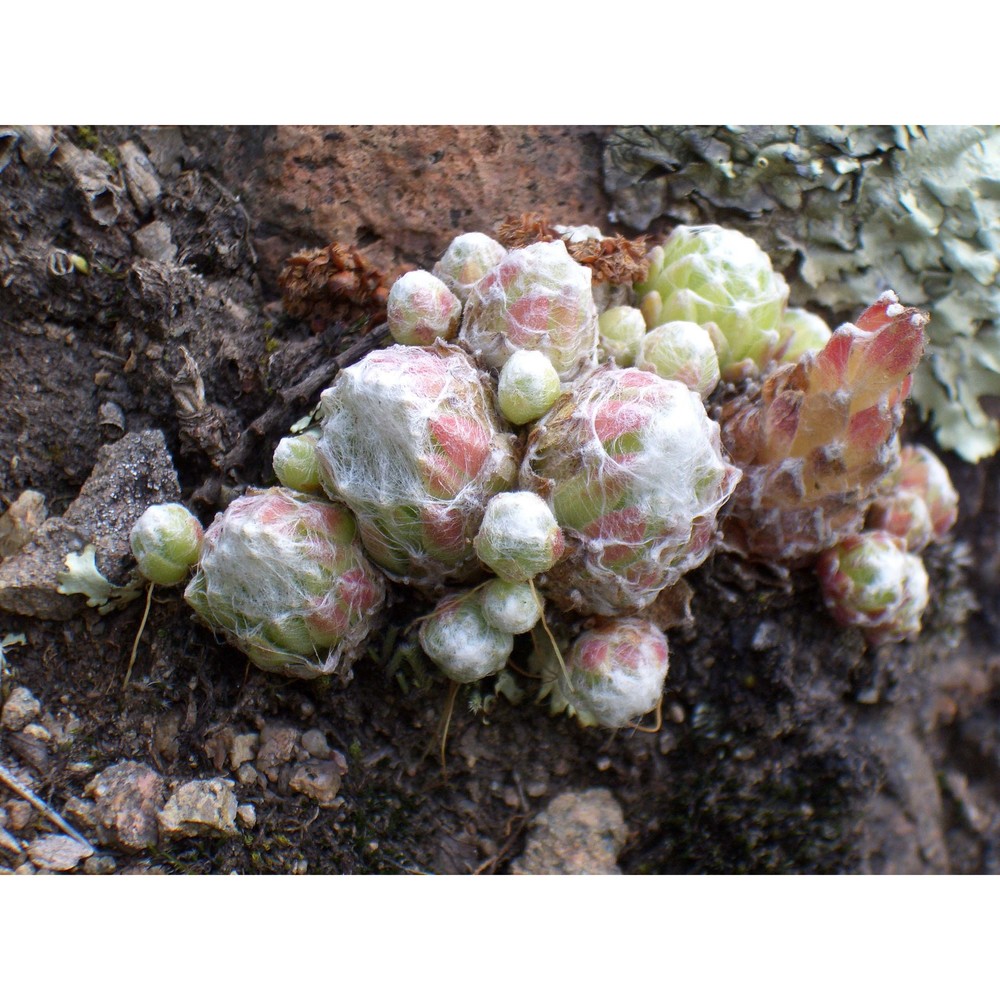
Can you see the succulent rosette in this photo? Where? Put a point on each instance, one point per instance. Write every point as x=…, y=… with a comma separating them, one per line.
x=633, y=470
x=681, y=351
x=801, y=332
x=412, y=443
x=519, y=537
x=918, y=502
x=295, y=462
x=818, y=437
x=511, y=607
x=284, y=577
x=614, y=673
x=871, y=581
x=707, y=274
x=421, y=309
x=528, y=387
x=620, y=329
x=536, y=299
x=458, y=638
x=468, y=258
x=166, y=542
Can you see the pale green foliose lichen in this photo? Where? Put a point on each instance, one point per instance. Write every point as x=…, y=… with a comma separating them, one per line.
x=847, y=212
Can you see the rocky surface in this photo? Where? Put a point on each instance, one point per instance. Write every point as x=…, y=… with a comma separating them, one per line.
x=786, y=746
x=579, y=833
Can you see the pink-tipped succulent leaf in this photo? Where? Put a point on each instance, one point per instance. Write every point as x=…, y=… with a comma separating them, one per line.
x=819, y=436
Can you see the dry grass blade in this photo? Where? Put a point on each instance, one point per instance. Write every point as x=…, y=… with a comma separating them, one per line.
x=53, y=817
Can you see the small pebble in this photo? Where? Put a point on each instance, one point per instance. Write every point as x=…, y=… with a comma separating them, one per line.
x=246, y=774
x=37, y=732
x=19, y=815
x=200, y=808
x=536, y=789
x=315, y=744
x=58, y=853
x=100, y=864
x=244, y=749
x=19, y=709
x=603, y=763
x=247, y=815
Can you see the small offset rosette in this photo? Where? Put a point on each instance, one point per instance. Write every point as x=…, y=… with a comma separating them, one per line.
x=412, y=443
x=285, y=579
x=871, y=581
x=633, y=470
x=468, y=258
x=614, y=674
x=166, y=542
x=918, y=504
x=536, y=299
x=707, y=274
x=422, y=309
x=459, y=639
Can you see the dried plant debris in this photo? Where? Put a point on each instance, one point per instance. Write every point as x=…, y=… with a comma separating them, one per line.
x=336, y=283
x=613, y=259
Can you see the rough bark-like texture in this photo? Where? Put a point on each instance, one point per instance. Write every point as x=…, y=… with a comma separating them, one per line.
x=786, y=746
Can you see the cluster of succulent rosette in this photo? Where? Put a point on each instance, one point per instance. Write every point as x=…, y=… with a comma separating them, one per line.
x=530, y=465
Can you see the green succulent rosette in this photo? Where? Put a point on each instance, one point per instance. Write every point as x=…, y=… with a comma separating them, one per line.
x=458, y=638
x=708, y=274
x=632, y=467
x=871, y=581
x=166, y=542
x=412, y=443
x=284, y=578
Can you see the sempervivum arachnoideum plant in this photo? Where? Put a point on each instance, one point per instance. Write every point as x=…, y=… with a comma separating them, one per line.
x=536, y=299
x=412, y=443
x=613, y=675
x=284, y=578
x=166, y=542
x=819, y=436
x=871, y=581
x=632, y=467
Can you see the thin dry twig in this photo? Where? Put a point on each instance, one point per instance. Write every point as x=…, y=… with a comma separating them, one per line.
x=289, y=400
x=53, y=817
x=9, y=843
x=138, y=636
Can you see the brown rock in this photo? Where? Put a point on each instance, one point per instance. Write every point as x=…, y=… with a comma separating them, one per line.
x=19, y=814
x=21, y=708
x=581, y=833
x=404, y=192
x=57, y=853
x=200, y=808
x=278, y=745
x=319, y=779
x=127, y=798
x=130, y=474
x=20, y=521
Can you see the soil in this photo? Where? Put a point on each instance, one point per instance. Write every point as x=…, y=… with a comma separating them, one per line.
x=786, y=745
